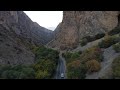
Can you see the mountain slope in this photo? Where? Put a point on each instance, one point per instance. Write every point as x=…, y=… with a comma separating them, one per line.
x=78, y=24
x=17, y=34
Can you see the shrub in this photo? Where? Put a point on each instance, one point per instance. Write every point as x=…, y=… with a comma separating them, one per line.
x=67, y=55
x=116, y=68
x=93, y=66
x=80, y=52
x=75, y=55
x=100, y=35
x=42, y=75
x=10, y=74
x=90, y=54
x=27, y=73
x=95, y=37
x=4, y=68
x=71, y=56
x=46, y=53
x=108, y=41
x=87, y=61
x=114, y=31
x=46, y=60
x=17, y=72
x=83, y=42
x=45, y=65
x=87, y=39
x=116, y=47
x=75, y=70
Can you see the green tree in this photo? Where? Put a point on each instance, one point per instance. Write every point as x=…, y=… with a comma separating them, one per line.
x=76, y=70
x=93, y=66
x=42, y=75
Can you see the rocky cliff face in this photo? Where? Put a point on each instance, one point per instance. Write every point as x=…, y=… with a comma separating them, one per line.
x=41, y=35
x=78, y=24
x=17, y=30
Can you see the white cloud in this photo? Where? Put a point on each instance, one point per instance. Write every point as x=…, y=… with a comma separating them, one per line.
x=46, y=18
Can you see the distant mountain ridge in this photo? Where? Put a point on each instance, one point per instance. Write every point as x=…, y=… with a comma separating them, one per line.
x=51, y=28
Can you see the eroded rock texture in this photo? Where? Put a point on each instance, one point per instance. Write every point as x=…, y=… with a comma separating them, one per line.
x=17, y=33
x=78, y=24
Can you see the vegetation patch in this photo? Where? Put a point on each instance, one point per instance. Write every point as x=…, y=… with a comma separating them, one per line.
x=114, y=31
x=93, y=66
x=88, y=39
x=116, y=68
x=44, y=67
x=71, y=56
x=76, y=70
x=108, y=41
x=86, y=62
x=116, y=47
x=90, y=54
x=46, y=62
x=17, y=72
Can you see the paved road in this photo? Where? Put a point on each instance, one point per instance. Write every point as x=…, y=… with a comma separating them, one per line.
x=61, y=67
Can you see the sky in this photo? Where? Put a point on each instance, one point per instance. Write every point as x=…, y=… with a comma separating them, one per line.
x=47, y=19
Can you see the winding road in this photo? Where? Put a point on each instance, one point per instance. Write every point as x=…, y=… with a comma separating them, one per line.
x=61, y=68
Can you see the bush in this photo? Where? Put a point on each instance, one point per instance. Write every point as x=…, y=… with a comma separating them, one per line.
x=42, y=75
x=4, y=68
x=46, y=53
x=90, y=54
x=108, y=41
x=46, y=60
x=114, y=31
x=10, y=74
x=87, y=39
x=116, y=47
x=83, y=42
x=87, y=61
x=45, y=65
x=67, y=55
x=75, y=70
x=71, y=56
x=93, y=66
x=75, y=55
x=80, y=52
x=100, y=35
x=17, y=72
x=27, y=73
x=116, y=68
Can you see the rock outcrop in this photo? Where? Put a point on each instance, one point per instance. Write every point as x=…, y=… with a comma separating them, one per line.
x=17, y=32
x=78, y=24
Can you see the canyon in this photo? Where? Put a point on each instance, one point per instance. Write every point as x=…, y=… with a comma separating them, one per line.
x=20, y=37
x=17, y=33
x=78, y=24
